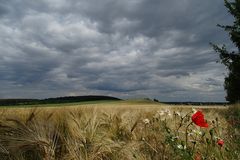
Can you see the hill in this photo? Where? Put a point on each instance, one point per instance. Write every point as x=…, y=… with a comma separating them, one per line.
x=67, y=99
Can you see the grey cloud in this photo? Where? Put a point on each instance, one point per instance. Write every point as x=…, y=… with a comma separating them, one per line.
x=3, y=9
x=121, y=48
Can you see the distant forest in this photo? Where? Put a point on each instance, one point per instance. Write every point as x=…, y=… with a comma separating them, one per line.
x=69, y=99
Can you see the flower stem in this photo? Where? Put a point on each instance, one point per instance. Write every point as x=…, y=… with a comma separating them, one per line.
x=186, y=134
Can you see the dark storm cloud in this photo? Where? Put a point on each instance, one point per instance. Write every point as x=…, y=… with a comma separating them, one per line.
x=121, y=48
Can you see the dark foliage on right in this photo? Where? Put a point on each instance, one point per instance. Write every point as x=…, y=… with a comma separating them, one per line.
x=231, y=59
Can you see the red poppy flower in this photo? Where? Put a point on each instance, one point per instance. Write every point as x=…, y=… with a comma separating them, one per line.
x=198, y=119
x=198, y=157
x=220, y=142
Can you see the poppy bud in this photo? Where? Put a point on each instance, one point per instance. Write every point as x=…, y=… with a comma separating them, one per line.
x=220, y=142
x=197, y=157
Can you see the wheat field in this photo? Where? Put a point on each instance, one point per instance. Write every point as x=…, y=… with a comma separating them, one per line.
x=124, y=130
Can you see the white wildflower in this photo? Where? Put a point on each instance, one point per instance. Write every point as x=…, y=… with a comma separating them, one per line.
x=190, y=134
x=177, y=113
x=168, y=112
x=161, y=113
x=179, y=146
x=156, y=116
x=197, y=132
x=194, y=110
x=184, y=147
x=146, y=121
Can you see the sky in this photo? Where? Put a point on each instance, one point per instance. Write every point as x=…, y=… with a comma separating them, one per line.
x=123, y=48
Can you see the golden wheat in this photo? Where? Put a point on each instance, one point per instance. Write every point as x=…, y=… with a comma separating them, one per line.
x=108, y=131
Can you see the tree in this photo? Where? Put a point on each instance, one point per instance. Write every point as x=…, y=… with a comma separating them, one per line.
x=231, y=59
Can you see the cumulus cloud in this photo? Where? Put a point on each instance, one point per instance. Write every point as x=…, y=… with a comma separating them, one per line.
x=137, y=48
